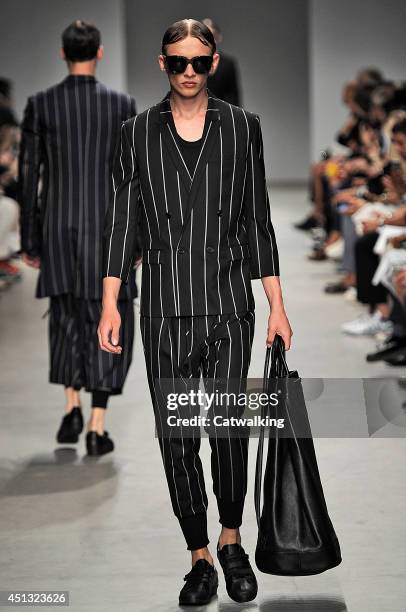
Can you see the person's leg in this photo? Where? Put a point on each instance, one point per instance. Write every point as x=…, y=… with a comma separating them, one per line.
x=65, y=363
x=62, y=337
x=72, y=399
x=227, y=360
x=350, y=237
x=100, y=399
x=366, y=263
x=374, y=296
x=348, y=233
x=105, y=374
x=318, y=191
x=98, y=414
x=170, y=345
x=398, y=316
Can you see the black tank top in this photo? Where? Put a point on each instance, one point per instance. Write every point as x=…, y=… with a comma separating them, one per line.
x=190, y=149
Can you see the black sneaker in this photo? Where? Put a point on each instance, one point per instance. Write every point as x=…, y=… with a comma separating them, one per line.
x=241, y=583
x=98, y=445
x=71, y=427
x=201, y=584
x=388, y=349
x=307, y=224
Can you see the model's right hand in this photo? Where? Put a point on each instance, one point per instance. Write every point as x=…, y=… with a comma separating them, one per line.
x=110, y=322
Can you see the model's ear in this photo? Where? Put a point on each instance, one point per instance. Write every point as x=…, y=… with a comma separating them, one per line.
x=216, y=60
x=161, y=62
x=100, y=52
x=62, y=54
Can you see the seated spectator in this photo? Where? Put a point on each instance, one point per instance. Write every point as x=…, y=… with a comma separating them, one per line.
x=9, y=209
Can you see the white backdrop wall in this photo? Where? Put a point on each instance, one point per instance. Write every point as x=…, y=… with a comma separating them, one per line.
x=344, y=36
x=30, y=38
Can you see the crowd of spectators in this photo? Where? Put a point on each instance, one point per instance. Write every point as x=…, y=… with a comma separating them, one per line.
x=359, y=212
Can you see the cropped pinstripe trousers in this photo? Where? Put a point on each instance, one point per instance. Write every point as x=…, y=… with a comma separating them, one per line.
x=76, y=360
x=211, y=347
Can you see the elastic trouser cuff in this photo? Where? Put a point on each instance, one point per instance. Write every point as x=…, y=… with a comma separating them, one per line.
x=195, y=530
x=230, y=512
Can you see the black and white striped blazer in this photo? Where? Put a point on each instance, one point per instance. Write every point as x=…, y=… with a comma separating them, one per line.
x=204, y=237
x=69, y=136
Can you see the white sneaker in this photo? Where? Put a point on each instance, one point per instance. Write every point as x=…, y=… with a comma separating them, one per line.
x=335, y=251
x=360, y=319
x=367, y=325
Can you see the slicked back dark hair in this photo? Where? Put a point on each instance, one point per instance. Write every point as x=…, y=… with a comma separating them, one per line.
x=80, y=41
x=188, y=27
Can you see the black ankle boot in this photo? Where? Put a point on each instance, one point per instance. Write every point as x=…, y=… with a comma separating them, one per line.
x=71, y=427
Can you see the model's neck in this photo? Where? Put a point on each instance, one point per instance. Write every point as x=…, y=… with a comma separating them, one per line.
x=85, y=68
x=188, y=107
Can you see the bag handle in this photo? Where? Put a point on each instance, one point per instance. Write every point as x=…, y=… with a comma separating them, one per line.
x=275, y=367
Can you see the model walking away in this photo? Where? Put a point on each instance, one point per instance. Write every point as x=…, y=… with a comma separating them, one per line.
x=197, y=164
x=69, y=136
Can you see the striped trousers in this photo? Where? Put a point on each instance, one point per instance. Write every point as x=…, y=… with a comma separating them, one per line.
x=76, y=359
x=203, y=347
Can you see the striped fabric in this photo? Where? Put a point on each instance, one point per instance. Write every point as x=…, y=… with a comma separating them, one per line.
x=216, y=348
x=69, y=136
x=204, y=235
x=76, y=359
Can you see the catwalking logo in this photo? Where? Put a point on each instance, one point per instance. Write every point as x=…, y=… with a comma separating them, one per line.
x=221, y=421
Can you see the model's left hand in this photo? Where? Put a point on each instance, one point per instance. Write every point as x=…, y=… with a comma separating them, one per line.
x=278, y=323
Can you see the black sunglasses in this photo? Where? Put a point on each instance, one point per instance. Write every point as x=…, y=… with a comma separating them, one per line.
x=177, y=64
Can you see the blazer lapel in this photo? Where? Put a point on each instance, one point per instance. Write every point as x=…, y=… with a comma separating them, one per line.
x=168, y=138
x=208, y=142
x=192, y=182
x=206, y=150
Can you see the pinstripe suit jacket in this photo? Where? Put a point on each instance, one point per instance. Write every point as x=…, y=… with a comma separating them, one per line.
x=205, y=236
x=69, y=136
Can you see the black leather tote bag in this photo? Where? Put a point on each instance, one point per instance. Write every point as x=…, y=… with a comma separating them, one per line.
x=295, y=533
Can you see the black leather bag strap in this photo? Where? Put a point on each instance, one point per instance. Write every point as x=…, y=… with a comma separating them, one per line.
x=260, y=450
x=275, y=367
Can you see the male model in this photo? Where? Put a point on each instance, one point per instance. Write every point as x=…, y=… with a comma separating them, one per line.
x=197, y=163
x=225, y=82
x=69, y=136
